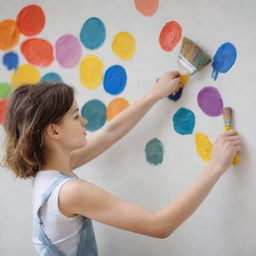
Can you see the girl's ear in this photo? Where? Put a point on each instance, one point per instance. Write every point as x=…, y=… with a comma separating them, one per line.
x=52, y=131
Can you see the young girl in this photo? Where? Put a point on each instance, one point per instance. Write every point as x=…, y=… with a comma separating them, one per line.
x=46, y=140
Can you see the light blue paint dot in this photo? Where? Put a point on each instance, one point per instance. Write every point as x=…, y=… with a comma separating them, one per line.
x=223, y=59
x=154, y=151
x=93, y=33
x=94, y=111
x=50, y=77
x=11, y=60
x=115, y=79
x=184, y=121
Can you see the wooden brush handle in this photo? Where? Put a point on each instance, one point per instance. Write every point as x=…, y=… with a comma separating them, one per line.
x=236, y=158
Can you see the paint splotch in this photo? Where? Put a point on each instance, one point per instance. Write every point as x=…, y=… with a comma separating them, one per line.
x=115, y=79
x=25, y=74
x=3, y=109
x=31, y=20
x=177, y=96
x=184, y=121
x=147, y=8
x=11, y=60
x=210, y=101
x=170, y=35
x=38, y=52
x=93, y=33
x=223, y=59
x=5, y=90
x=203, y=146
x=115, y=107
x=68, y=51
x=50, y=77
x=94, y=111
x=9, y=34
x=124, y=45
x=154, y=151
x=91, y=71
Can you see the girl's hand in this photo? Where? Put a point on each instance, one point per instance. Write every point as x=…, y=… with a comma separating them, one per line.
x=225, y=148
x=168, y=83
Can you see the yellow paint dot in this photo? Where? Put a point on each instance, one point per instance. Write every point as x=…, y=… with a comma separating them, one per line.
x=124, y=45
x=25, y=74
x=91, y=71
x=203, y=146
x=115, y=107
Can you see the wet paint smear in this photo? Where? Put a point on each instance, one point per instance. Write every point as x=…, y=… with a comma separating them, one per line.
x=210, y=101
x=94, y=111
x=115, y=79
x=68, y=51
x=203, y=146
x=147, y=7
x=170, y=35
x=5, y=90
x=50, y=77
x=38, y=51
x=3, y=109
x=93, y=33
x=223, y=59
x=31, y=20
x=9, y=34
x=124, y=45
x=184, y=121
x=11, y=60
x=25, y=74
x=176, y=96
x=154, y=151
x=91, y=71
x=115, y=107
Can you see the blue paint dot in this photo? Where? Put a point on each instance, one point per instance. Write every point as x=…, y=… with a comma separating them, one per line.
x=115, y=79
x=176, y=96
x=223, y=59
x=94, y=111
x=11, y=60
x=52, y=76
x=184, y=121
x=154, y=151
x=93, y=33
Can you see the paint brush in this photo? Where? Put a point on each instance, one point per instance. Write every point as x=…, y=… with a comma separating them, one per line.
x=227, y=116
x=191, y=59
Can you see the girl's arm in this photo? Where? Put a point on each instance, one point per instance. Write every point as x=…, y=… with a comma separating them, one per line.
x=120, y=125
x=81, y=197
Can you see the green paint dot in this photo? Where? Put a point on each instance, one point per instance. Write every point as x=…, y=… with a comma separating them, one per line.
x=154, y=151
x=5, y=90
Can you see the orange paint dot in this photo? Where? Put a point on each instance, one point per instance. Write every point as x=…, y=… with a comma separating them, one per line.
x=170, y=35
x=9, y=34
x=147, y=7
x=31, y=20
x=3, y=109
x=38, y=51
x=115, y=107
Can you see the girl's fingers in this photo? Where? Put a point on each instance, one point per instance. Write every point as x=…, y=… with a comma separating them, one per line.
x=230, y=133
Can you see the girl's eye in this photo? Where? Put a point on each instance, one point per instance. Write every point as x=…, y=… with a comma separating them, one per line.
x=76, y=117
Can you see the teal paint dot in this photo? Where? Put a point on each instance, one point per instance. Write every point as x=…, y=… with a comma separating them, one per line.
x=154, y=151
x=184, y=121
x=5, y=90
x=94, y=111
x=93, y=33
x=52, y=76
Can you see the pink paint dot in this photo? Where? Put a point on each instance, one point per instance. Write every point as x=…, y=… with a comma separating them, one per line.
x=147, y=7
x=68, y=51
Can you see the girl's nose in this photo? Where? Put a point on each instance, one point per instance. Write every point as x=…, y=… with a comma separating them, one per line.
x=84, y=121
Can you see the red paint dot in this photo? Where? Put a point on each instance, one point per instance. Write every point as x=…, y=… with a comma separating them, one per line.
x=170, y=35
x=31, y=20
x=37, y=51
x=3, y=109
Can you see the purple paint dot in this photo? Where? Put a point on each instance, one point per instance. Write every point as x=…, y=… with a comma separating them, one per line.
x=68, y=51
x=210, y=101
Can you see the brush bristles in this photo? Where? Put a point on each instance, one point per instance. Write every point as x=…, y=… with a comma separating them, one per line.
x=227, y=115
x=194, y=54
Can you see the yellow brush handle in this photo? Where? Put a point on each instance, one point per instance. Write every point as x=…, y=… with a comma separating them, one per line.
x=184, y=79
x=236, y=158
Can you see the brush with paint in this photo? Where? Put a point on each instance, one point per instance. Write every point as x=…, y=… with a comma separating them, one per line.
x=227, y=116
x=191, y=59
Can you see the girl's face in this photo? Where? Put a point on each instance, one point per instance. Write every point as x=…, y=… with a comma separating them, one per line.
x=73, y=133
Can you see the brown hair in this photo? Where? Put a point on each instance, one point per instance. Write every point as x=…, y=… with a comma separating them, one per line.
x=30, y=109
